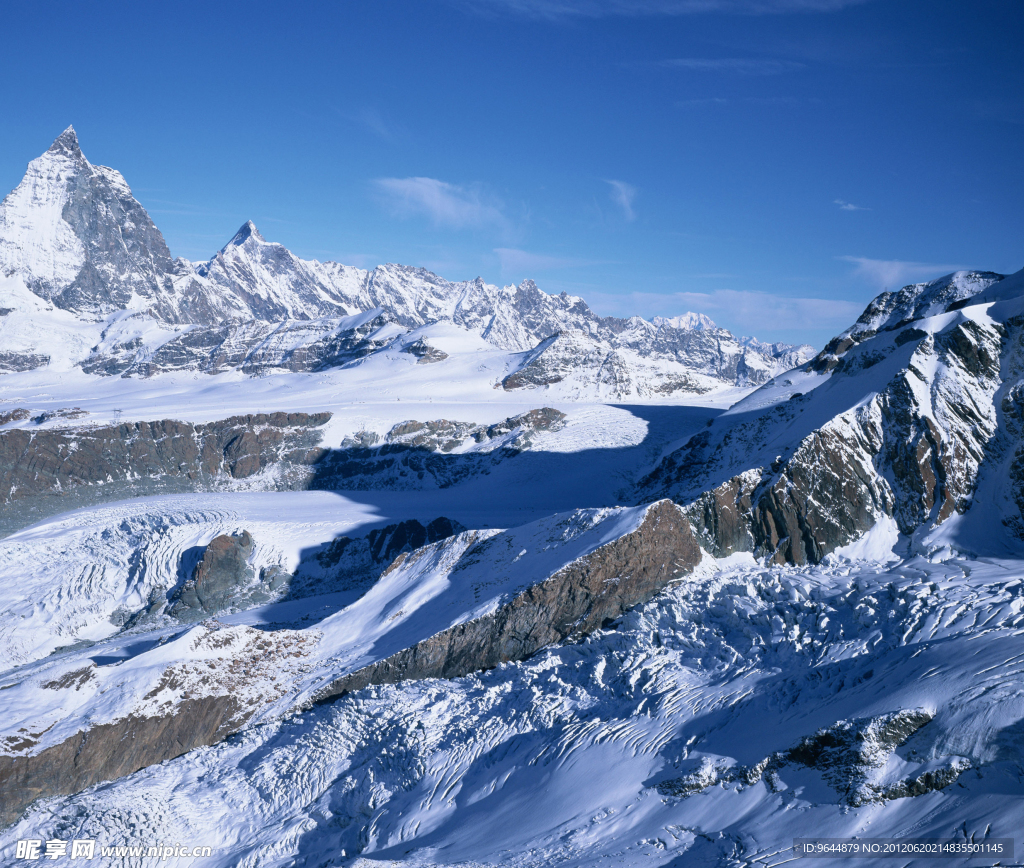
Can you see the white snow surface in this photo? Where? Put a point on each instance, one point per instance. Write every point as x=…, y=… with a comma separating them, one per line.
x=559, y=760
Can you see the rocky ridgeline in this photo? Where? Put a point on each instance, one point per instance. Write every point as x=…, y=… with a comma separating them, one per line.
x=48, y=470
x=208, y=704
x=252, y=347
x=903, y=426
x=54, y=469
x=104, y=257
x=578, y=599
x=438, y=453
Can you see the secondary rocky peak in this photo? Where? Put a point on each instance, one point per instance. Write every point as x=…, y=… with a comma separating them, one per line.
x=66, y=144
x=247, y=231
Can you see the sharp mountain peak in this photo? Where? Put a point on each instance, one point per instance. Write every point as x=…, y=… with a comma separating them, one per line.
x=248, y=230
x=67, y=144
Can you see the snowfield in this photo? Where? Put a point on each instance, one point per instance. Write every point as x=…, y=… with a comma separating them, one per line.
x=645, y=745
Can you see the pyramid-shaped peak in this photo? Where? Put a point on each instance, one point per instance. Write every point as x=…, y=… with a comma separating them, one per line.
x=67, y=144
x=247, y=231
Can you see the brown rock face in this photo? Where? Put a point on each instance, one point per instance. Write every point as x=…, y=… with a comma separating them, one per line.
x=113, y=750
x=576, y=600
x=83, y=466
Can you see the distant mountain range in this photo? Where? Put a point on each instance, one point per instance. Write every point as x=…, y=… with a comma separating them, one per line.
x=73, y=235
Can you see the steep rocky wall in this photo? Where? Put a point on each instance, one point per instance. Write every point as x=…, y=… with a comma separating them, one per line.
x=52, y=470
x=575, y=601
x=113, y=750
x=912, y=450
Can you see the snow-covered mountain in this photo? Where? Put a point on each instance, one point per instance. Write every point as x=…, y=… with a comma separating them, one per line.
x=406, y=580
x=909, y=415
x=73, y=235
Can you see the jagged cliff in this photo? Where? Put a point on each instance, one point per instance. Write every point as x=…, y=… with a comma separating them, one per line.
x=900, y=416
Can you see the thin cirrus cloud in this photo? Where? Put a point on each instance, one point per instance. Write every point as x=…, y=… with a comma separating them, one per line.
x=896, y=273
x=561, y=9
x=623, y=195
x=745, y=311
x=732, y=65
x=445, y=205
x=849, y=206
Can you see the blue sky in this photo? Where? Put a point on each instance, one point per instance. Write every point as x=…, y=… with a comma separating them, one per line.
x=772, y=163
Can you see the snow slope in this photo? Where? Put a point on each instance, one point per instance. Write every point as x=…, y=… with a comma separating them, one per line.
x=630, y=746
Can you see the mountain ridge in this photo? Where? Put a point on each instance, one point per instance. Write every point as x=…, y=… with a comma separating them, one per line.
x=78, y=239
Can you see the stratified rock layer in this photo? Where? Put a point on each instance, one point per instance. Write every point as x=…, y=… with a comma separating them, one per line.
x=52, y=470
x=113, y=750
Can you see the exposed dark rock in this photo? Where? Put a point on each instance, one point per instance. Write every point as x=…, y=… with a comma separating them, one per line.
x=19, y=414
x=578, y=599
x=420, y=454
x=424, y=353
x=62, y=413
x=851, y=756
x=896, y=455
x=48, y=471
x=12, y=363
x=355, y=563
x=219, y=579
x=113, y=750
x=891, y=311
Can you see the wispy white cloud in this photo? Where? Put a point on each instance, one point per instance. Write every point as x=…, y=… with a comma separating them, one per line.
x=748, y=312
x=733, y=65
x=560, y=9
x=444, y=204
x=623, y=195
x=896, y=273
x=374, y=121
x=514, y=261
x=849, y=206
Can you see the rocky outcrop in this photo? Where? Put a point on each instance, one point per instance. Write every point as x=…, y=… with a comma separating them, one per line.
x=440, y=453
x=113, y=750
x=219, y=577
x=851, y=756
x=13, y=363
x=225, y=676
x=891, y=311
x=51, y=470
x=354, y=563
x=424, y=353
x=812, y=473
x=585, y=595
